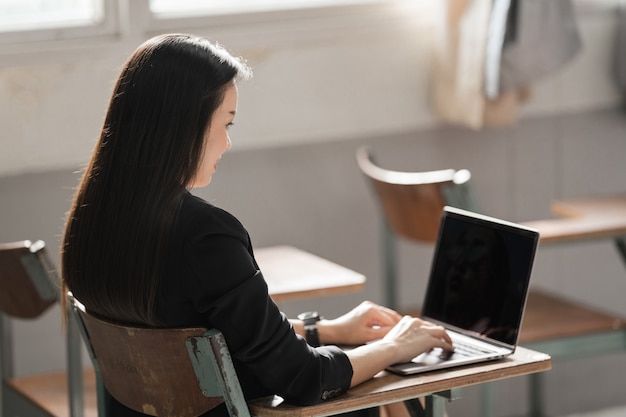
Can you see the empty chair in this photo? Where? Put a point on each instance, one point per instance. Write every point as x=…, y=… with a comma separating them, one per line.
x=28, y=289
x=161, y=372
x=411, y=204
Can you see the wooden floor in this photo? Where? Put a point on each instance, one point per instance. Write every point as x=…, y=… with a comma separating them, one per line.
x=50, y=392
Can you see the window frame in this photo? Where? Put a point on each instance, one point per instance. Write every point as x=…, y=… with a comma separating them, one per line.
x=124, y=19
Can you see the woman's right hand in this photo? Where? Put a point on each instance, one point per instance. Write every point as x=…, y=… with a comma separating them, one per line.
x=407, y=339
x=413, y=336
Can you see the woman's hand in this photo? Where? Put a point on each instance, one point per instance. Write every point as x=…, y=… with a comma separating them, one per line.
x=366, y=322
x=413, y=336
x=394, y=338
x=407, y=339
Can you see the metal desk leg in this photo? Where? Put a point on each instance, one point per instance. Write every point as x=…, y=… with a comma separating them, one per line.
x=620, y=243
x=487, y=390
x=436, y=403
x=435, y=406
x=535, y=391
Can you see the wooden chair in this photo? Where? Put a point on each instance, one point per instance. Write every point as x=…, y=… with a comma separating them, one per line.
x=161, y=372
x=411, y=205
x=28, y=288
x=185, y=372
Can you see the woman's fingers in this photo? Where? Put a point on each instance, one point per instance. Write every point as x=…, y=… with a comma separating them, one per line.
x=419, y=336
x=438, y=332
x=442, y=338
x=377, y=315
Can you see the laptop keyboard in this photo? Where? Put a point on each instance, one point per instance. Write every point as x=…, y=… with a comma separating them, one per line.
x=463, y=349
x=468, y=350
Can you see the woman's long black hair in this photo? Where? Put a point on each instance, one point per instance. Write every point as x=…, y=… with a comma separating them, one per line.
x=149, y=151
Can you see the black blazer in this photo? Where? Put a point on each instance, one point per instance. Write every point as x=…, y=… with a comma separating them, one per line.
x=211, y=279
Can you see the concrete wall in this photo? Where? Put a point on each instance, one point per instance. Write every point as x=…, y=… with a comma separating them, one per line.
x=292, y=179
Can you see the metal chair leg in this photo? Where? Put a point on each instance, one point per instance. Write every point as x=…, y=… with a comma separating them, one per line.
x=390, y=269
x=74, y=369
x=6, y=366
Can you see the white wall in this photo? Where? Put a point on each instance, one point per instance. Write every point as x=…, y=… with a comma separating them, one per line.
x=320, y=83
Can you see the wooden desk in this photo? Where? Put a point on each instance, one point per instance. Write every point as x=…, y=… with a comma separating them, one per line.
x=584, y=218
x=386, y=387
x=292, y=273
x=558, y=326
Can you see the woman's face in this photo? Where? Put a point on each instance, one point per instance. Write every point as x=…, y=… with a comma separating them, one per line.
x=216, y=139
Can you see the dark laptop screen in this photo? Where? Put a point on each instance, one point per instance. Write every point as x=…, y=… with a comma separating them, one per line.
x=480, y=275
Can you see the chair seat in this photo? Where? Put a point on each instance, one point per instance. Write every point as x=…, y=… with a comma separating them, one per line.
x=550, y=317
x=49, y=391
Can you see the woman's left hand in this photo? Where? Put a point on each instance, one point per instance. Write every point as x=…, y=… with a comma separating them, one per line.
x=366, y=322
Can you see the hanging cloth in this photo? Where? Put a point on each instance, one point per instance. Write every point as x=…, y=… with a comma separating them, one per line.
x=543, y=37
x=459, y=63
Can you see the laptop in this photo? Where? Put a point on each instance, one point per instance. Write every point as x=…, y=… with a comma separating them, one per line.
x=477, y=289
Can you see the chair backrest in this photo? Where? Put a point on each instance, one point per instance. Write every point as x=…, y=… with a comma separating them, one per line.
x=28, y=287
x=27, y=290
x=411, y=205
x=162, y=372
x=412, y=202
x=27, y=276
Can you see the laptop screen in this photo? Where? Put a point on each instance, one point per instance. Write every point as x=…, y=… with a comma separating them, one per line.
x=480, y=275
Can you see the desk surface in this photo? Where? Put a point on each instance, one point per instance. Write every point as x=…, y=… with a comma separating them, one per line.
x=584, y=218
x=292, y=273
x=387, y=387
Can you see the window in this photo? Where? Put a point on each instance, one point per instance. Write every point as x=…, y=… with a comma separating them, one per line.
x=28, y=14
x=41, y=20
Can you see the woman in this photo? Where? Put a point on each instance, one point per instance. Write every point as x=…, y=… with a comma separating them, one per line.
x=139, y=248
